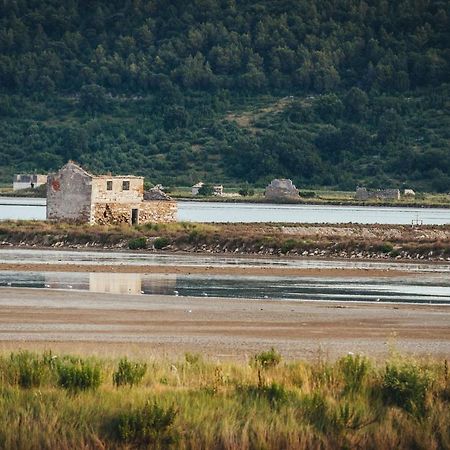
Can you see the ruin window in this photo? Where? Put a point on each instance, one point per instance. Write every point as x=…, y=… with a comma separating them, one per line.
x=125, y=185
x=109, y=185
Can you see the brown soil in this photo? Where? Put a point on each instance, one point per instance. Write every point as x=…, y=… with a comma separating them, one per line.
x=140, y=325
x=207, y=270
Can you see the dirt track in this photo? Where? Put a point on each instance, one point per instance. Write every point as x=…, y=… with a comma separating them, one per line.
x=138, y=325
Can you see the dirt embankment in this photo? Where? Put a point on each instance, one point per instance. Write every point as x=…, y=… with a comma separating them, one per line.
x=344, y=241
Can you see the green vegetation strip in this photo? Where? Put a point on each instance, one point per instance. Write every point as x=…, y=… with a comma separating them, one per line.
x=364, y=241
x=58, y=401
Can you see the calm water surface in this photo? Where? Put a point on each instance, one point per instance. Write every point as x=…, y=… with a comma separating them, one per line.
x=84, y=257
x=28, y=209
x=429, y=289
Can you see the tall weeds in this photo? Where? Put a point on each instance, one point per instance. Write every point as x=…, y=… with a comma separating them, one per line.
x=54, y=401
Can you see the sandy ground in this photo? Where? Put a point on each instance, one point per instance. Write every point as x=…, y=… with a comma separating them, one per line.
x=141, y=325
x=207, y=270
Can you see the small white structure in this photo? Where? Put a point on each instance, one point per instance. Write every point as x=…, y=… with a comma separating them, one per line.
x=409, y=193
x=197, y=187
x=28, y=181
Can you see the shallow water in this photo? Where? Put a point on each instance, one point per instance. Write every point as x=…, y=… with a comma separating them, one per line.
x=86, y=257
x=426, y=289
x=34, y=208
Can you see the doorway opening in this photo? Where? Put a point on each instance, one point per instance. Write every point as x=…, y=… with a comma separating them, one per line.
x=134, y=216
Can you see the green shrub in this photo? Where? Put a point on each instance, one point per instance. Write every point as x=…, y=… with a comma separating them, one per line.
x=354, y=370
x=385, y=247
x=78, y=375
x=137, y=243
x=267, y=359
x=307, y=194
x=151, y=426
x=406, y=386
x=129, y=373
x=288, y=245
x=206, y=190
x=27, y=369
x=161, y=242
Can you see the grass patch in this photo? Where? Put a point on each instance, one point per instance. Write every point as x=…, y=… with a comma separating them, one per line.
x=197, y=403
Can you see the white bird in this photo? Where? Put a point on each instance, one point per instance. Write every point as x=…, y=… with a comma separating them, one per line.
x=142, y=292
x=190, y=311
x=47, y=285
x=176, y=293
x=69, y=286
x=8, y=283
x=204, y=294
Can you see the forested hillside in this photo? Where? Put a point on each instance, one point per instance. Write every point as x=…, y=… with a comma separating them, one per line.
x=326, y=92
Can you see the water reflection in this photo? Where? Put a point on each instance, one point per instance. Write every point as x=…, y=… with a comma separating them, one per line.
x=427, y=289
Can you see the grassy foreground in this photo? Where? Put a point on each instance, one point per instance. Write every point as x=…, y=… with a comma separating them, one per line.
x=50, y=401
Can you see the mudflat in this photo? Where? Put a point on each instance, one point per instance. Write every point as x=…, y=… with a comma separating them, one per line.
x=207, y=270
x=143, y=325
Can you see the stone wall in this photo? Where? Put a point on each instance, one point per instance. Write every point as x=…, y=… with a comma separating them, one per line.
x=121, y=213
x=281, y=189
x=378, y=194
x=100, y=193
x=158, y=212
x=69, y=194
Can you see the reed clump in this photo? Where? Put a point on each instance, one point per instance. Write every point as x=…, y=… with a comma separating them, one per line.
x=60, y=401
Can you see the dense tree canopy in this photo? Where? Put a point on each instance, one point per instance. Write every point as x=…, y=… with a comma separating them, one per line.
x=182, y=89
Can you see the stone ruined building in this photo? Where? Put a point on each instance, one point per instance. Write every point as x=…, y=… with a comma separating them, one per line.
x=76, y=195
x=27, y=181
x=378, y=194
x=281, y=190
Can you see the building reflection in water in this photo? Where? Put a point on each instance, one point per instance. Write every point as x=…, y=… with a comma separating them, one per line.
x=113, y=283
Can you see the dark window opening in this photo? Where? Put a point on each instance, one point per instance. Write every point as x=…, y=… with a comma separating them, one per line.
x=109, y=185
x=125, y=185
x=134, y=216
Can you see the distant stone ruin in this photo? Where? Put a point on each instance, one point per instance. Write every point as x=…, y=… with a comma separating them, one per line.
x=281, y=190
x=377, y=194
x=76, y=195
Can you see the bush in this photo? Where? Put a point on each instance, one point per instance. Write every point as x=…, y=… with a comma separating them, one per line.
x=129, y=373
x=354, y=369
x=151, y=426
x=137, y=243
x=307, y=194
x=406, y=386
x=78, y=375
x=161, y=242
x=267, y=359
x=288, y=245
x=206, y=190
x=27, y=369
x=246, y=191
